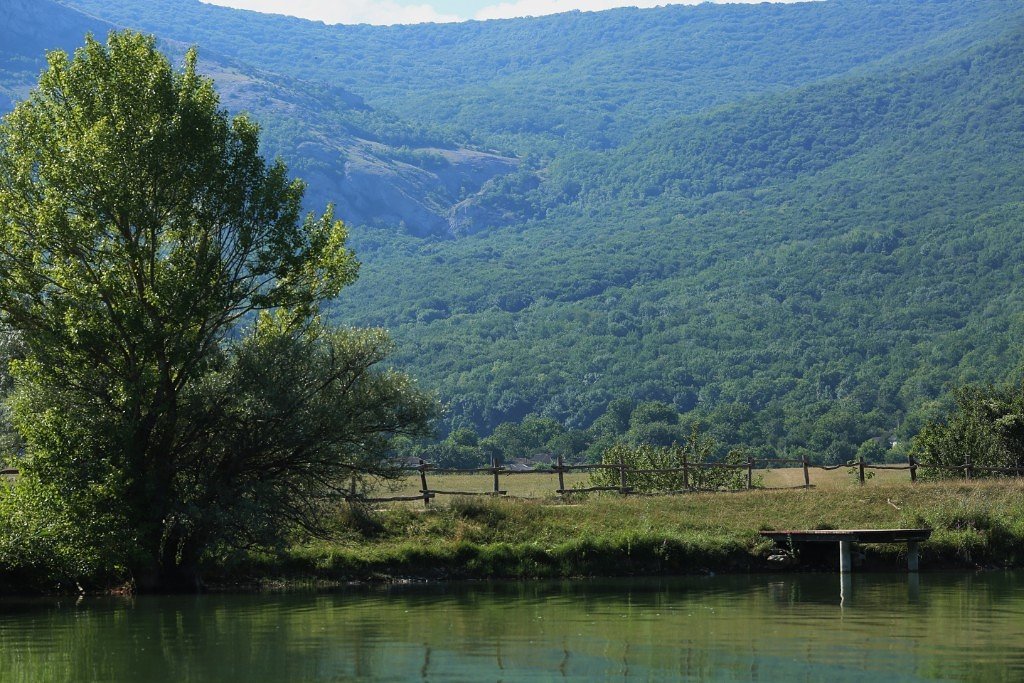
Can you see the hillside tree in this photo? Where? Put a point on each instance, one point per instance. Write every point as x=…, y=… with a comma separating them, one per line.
x=177, y=377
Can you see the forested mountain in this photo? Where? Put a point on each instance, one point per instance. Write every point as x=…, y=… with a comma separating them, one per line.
x=800, y=224
x=576, y=79
x=824, y=286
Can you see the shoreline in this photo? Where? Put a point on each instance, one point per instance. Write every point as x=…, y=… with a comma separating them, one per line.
x=977, y=526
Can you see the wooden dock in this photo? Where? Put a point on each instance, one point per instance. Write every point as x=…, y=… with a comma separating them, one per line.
x=847, y=537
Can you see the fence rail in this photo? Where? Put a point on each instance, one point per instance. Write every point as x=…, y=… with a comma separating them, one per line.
x=969, y=470
x=560, y=469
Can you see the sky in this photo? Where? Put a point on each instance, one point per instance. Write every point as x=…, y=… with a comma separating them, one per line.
x=417, y=11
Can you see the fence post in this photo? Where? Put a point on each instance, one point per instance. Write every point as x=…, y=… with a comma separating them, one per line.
x=686, y=470
x=860, y=470
x=494, y=471
x=561, y=476
x=967, y=467
x=423, y=483
x=807, y=472
x=750, y=472
x=913, y=468
x=623, y=488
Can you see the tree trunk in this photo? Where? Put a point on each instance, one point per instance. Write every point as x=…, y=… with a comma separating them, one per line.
x=173, y=566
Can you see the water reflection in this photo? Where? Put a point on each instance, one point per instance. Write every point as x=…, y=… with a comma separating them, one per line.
x=737, y=628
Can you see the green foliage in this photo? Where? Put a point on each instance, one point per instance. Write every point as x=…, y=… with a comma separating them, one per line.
x=872, y=451
x=290, y=418
x=67, y=541
x=696, y=449
x=139, y=226
x=448, y=455
x=985, y=429
x=529, y=438
x=11, y=444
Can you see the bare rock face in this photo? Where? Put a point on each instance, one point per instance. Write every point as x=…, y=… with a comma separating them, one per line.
x=371, y=186
x=369, y=181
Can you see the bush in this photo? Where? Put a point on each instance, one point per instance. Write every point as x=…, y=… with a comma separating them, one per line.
x=985, y=428
x=695, y=451
x=45, y=546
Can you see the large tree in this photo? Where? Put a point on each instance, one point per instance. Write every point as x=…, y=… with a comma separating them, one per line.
x=984, y=429
x=165, y=286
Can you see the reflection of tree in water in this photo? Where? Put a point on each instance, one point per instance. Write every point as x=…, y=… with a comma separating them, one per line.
x=697, y=627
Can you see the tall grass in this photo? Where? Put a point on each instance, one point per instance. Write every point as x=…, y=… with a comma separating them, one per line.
x=977, y=524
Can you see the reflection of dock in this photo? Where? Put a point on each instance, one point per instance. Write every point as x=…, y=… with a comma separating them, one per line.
x=847, y=537
x=820, y=589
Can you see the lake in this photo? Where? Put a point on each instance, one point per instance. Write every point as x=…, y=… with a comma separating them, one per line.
x=791, y=627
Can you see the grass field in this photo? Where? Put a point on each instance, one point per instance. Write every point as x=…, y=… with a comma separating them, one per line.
x=976, y=524
x=545, y=485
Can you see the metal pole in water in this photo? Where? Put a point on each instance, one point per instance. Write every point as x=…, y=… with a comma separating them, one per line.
x=845, y=562
x=845, y=588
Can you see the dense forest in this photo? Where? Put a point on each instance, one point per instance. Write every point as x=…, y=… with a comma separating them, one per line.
x=798, y=225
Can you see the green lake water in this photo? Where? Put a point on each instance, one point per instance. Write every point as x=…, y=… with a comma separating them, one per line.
x=731, y=628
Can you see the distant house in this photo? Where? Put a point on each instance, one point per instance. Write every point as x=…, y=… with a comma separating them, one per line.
x=886, y=440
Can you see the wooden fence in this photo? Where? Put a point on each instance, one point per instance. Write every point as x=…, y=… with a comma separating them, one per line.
x=426, y=494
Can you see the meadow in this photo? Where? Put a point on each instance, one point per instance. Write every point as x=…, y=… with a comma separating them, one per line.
x=541, y=485
x=976, y=525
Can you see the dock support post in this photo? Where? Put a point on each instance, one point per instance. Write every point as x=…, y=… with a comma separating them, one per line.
x=913, y=556
x=845, y=561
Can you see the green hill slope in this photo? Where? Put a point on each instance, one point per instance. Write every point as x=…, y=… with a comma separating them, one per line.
x=800, y=223
x=577, y=79
x=825, y=262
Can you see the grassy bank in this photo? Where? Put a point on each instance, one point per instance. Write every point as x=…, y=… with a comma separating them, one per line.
x=976, y=525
